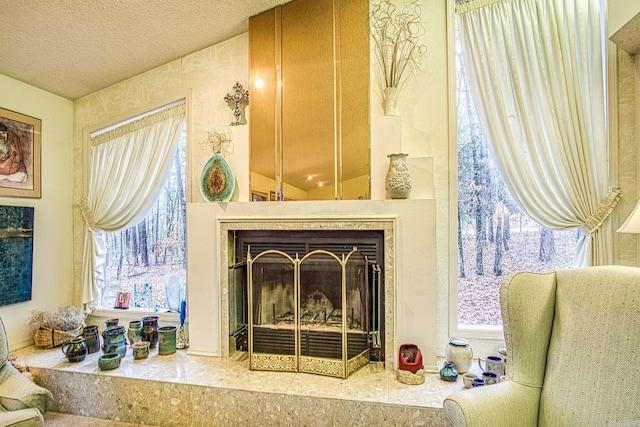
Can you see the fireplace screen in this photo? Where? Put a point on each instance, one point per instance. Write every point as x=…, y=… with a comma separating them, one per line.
x=309, y=314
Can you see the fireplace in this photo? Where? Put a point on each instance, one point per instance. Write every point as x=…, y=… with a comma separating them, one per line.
x=408, y=268
x=308, y=300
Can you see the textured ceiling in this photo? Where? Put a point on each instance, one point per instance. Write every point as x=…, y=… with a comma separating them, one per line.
x=75, y=47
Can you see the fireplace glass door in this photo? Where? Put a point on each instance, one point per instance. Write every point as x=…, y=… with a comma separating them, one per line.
x=309, y=314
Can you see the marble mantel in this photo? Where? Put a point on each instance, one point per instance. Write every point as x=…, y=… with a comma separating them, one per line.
x=409, y=224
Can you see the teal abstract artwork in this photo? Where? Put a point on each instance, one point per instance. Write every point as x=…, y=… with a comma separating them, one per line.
x=16, y=254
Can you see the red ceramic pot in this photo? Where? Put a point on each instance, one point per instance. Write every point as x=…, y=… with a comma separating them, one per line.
x=410, y=358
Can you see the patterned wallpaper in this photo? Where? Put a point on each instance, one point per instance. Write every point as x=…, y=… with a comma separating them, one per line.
x=627, y=153
x=202, y=78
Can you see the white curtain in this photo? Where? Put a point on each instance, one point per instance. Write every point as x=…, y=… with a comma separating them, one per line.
x=128, y=167
x=535, y=68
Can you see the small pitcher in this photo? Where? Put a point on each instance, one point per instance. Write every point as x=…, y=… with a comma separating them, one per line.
x=75, y=349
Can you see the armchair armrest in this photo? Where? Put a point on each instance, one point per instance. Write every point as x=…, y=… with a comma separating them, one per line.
x=30, y=417
x=17, y=392
x=506, y=404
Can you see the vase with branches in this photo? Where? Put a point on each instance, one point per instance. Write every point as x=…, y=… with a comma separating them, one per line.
x=396, y=33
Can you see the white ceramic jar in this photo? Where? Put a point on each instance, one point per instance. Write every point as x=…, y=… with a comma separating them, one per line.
x=460, y=353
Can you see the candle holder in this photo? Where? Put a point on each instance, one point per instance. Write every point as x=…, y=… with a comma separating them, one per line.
x=183, y=340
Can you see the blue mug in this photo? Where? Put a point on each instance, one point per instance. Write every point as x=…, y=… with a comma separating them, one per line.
x=477, y=382
x=489, y=378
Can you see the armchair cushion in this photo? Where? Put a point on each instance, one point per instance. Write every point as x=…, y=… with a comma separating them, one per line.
x=17, y=392
x=593, y=365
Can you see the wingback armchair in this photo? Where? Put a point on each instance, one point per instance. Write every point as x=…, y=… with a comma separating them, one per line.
x=573, y=345
x=22, y=403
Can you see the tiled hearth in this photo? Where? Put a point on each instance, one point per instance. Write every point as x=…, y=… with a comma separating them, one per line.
x=188, y=390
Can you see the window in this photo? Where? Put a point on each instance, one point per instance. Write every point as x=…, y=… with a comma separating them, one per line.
x=495, y=237
x=148, y=260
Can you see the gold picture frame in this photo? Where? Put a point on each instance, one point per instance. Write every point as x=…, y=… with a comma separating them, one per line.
x=20, y=151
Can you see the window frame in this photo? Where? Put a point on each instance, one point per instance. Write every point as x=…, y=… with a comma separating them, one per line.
x=134, y=313
x=486, y=338
x=486, y=335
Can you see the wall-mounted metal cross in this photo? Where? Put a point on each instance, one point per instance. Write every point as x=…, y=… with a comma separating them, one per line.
x=238, y=101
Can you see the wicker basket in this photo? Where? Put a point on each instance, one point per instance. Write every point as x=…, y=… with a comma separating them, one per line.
x=49, y=338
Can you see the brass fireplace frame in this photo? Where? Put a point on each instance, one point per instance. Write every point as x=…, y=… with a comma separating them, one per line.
x=297, y=362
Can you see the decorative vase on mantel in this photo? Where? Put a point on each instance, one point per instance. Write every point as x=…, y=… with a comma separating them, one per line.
x=390, y=101
x=398, y=181
x=217, y=181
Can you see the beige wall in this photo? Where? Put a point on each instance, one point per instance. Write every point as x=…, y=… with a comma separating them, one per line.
x=52, y=272
x=619, y=13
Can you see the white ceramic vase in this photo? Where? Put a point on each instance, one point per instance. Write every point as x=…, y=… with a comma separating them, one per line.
x=460, y=353
x=398, y=181
x=390, y=101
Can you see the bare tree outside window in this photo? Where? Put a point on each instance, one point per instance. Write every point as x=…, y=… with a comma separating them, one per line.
x=150, y=257
x=495, y=237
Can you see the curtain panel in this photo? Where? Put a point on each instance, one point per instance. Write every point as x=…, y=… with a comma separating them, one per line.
x=128, y=167
x=536, y=72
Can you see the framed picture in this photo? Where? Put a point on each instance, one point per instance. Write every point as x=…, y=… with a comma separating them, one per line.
x=257, y=196
x=122, y=300
x=16, y=254
x=20, y=139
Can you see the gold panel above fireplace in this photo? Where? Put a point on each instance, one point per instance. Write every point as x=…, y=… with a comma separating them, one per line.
x=309, y=128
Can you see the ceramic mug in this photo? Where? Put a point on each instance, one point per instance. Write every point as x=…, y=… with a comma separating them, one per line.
x=477, y=382
x=493, y=364
x=468, y=378
x=140, y=350
x=91, y=338
x=489, y=378
x=167, y=339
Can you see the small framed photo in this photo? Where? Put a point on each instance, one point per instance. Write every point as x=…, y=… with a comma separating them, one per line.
x=257, y=196
x=122, y=300
x=20, y=143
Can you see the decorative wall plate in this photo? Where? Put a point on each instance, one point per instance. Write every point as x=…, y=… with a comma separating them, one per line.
x=217, y=181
